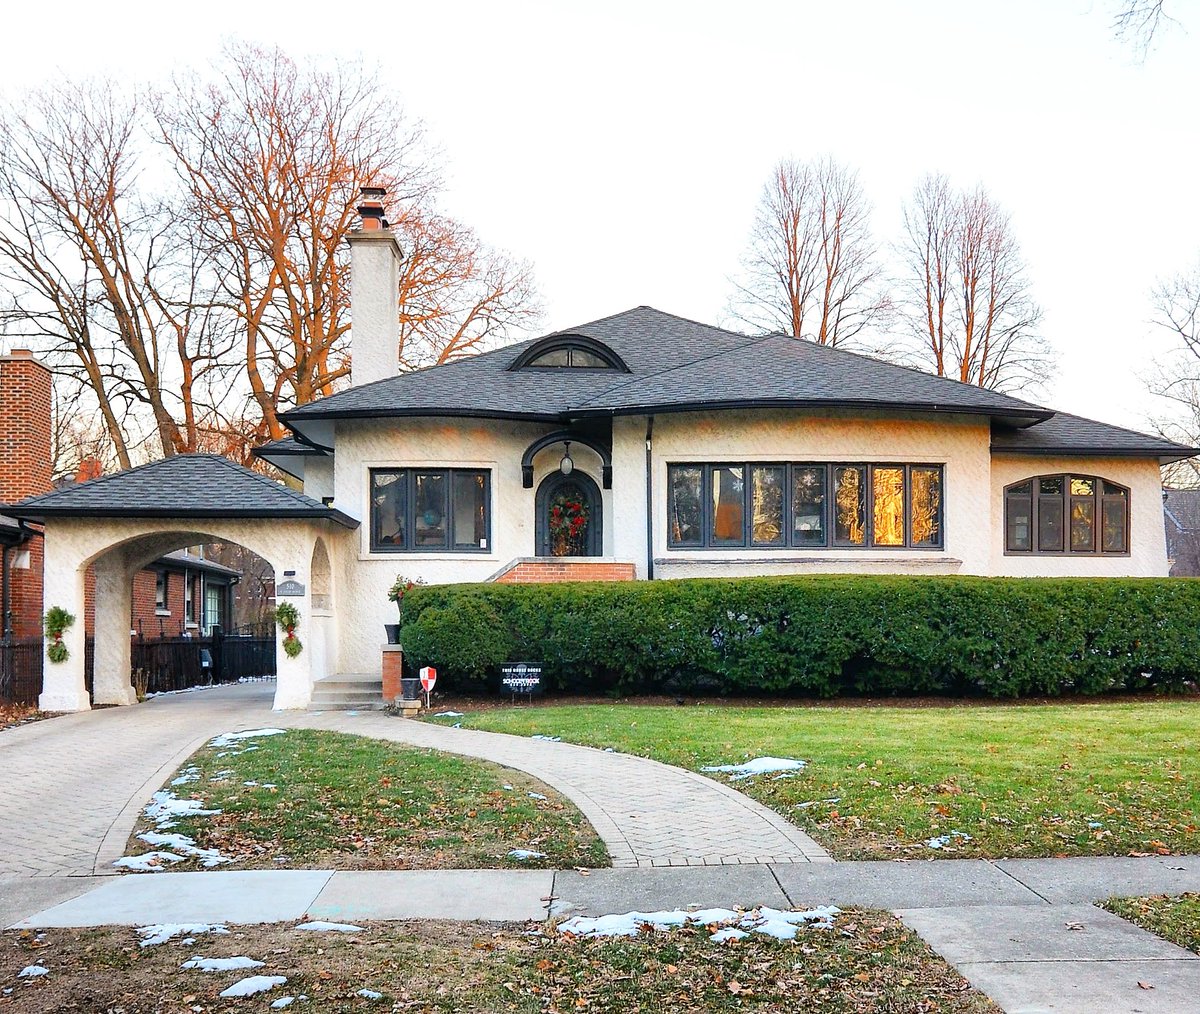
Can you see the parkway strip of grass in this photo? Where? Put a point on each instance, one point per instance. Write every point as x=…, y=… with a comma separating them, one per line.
x=867, y=962
x=328, y=800
x=955, y=781
x=1175, y=918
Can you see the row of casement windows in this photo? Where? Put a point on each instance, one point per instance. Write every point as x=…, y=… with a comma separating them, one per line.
x=775, y=506
x=430, y=510
x=1070, y=515
x=804, y=506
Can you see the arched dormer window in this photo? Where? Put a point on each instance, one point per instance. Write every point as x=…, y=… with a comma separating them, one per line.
x=569, y=351
x=1066, y=515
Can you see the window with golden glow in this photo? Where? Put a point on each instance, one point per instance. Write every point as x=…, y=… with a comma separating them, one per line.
x=804, y=506
x=1066, y=515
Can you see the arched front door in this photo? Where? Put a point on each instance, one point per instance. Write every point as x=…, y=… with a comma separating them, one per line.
x=569, y=516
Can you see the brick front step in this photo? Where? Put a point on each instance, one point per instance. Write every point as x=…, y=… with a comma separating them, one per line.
x=555, y=569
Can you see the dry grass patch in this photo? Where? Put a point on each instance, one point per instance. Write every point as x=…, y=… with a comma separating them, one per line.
x=312, y=799
x=1175, y=918
x=869, y=962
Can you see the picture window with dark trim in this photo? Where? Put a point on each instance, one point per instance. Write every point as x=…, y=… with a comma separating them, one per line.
x=1066, y=515
x=765, y=505
x=430, y=510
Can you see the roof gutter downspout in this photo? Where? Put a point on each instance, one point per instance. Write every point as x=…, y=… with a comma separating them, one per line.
x=5, y=595
x=649, y=501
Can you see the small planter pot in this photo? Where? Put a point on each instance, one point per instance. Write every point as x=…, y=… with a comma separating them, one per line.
x=410, y=690
x=393, y=632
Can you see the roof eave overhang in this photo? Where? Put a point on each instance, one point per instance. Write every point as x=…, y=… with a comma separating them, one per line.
x=1012, y=418
x=295, y=471
x=1164, y=457
x=1022, y=418
x=42, y=514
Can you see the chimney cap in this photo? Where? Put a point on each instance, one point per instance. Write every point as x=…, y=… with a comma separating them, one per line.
x=370, y=208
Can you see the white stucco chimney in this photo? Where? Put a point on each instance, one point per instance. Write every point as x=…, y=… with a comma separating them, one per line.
x=374, y=293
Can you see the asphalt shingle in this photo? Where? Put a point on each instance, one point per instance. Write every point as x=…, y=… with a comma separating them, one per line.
x=186, y=485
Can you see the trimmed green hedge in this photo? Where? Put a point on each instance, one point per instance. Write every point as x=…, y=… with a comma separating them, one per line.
x=817, y=635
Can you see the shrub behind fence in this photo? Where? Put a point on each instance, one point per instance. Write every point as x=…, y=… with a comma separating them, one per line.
x=818, y=635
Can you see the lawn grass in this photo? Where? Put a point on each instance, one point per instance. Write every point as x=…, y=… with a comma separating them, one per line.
x=1175, y=918
x=1032, y=780
x=308, y=798
x=869, y=962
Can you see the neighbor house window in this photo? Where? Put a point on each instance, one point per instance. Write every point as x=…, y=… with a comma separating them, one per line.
x=160, y=591
x=804, y=506
x=189, y=597
x=1066, y=515
x=430, y=510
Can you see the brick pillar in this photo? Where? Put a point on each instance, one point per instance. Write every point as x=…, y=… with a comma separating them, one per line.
x=393, y=666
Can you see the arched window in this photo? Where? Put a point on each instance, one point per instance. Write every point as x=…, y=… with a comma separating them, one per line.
x=569, y=351
x=1066, y=515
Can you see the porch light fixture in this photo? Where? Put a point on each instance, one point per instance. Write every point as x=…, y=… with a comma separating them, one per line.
x=566, y=466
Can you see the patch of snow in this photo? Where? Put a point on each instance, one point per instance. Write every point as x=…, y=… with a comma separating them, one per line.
x=164, y=806
x=507, y=787
x=223, y=773
x=758, y=766
x=330, y=927
x=369, y=994
x=526, y=854
x=536, y=795
x=269, y=785
x=449, y=714
x=182, y=843
x=221, y=964
x=942, y=840
x=147, y=862
x=251, y=784
x=547, y=739
x=609, y=749
x=161, y=932
x=32, y=971
x=456, y=725
x=818, y=802
x=254, y=984
x=233, y=738
x=772, y=922
x=283, y=1001
x=189, y=774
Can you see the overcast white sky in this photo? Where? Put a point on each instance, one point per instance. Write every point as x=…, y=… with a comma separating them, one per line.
x=621, y=147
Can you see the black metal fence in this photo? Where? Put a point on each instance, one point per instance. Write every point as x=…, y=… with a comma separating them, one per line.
x=21, y=670
x=158, y=664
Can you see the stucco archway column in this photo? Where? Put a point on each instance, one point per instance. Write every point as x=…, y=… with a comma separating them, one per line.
x=63, y=686
x=114, y=582
x=294, y=676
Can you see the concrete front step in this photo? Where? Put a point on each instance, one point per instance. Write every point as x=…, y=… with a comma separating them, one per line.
x=349, y=691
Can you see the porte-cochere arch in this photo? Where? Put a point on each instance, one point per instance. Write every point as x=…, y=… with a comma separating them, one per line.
x=120, y=523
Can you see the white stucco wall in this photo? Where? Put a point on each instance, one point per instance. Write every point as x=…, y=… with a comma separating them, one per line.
x=1147, y=538
x=496, y=446
x=120, y=547
x=973, y=508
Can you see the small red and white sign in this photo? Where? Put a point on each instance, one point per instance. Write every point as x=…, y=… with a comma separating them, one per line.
x=428, y=678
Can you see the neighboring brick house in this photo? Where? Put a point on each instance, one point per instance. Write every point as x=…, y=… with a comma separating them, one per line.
x=179, y=593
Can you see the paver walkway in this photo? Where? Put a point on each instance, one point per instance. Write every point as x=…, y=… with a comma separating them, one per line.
x=73, y=786
x=649, y=814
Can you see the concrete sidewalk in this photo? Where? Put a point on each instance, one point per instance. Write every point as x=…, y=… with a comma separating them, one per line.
x=1023, y=931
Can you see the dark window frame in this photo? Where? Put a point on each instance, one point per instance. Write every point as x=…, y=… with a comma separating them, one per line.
x=1063, y=502
x=790, y=542
x=409, y=473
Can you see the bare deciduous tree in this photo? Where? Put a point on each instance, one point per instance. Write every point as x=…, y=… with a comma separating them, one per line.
x=1137, y=22
x=1176, y=377
x=194, y=317
x=968, y=303
x=810, y=269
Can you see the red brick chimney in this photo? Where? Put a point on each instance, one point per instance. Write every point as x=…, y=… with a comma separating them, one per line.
x=25, y=407
x=89, y=468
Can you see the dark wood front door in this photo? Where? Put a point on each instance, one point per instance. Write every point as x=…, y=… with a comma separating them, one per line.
x=569, y=516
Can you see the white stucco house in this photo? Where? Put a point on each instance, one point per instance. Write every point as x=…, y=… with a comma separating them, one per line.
x=641, y=446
